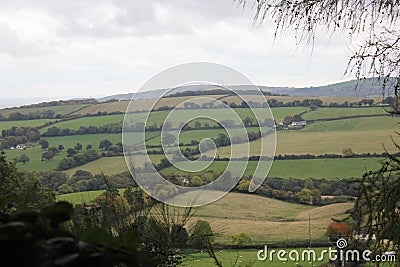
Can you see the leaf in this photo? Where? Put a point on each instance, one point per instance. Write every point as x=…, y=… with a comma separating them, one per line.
x=59, y=212
x=99, y=236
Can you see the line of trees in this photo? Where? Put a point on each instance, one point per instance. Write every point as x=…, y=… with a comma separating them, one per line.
x=18, y=116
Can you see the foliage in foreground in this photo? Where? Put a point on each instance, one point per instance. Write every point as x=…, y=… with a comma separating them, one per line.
x=38, y=238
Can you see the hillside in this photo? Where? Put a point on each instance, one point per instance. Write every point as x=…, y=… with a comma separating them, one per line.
x=352, y=88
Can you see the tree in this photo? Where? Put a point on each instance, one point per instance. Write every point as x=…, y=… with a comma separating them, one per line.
x=44, y=143
x=23, y=158
x=60, y=147
x=201, y=235
x=47, y=156
x=89, y=146
x=168, y=139
x=241, y=239
x=78, y=147
x=21, y=191
x=71, y=152
x=347, y=152
x=197, y=124
x=105, y=144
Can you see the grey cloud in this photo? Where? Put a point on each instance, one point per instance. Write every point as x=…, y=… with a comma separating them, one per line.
x=12, y=44
x=107, y=19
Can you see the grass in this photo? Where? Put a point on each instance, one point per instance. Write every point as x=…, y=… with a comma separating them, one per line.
x=34, y=152
x=35, y=155
x=24, y=123
x=246, y=256
x=324, y=113
x=111, y=165
x=82, y=197
x=85, y=139
x=318, y=142
x=304, y=168
x=137, y=105
x=63, y=109
x=265, y=219
x=356, y=124
x=198, y=135
x=87, y=121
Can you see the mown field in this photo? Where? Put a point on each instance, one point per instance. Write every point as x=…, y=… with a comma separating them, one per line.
x=87, y=121
x=304, y=168
x=329, y=169
x=63, y=109
x=246, y=256
x=82, y=197
x=23, y=123
x=111, y=165
x=263, y=219
x=326, y=113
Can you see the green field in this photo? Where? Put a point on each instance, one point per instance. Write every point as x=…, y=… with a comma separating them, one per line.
x=34, y=152
x=302, y=168
x=246, y=256
x=111, y=165
x=24, y=123
x=82, y=197
x=85, y=139
x=265, y=219
x=324, y=113
x=63, y=109
x=356, y=124
x=317, y=143
x=87, y=121
x=35, y=156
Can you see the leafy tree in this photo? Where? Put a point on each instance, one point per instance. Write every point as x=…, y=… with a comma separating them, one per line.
x=23, y=158
x=43, y=240
x=241, y=239
x=91, y=155
x=60, y=147
x=21, y=191
x=44, y=143
x=197, y=124
x=52, y=179
x=89, y=146
x=53, y=150
x=201, y=235
x=347, y=152
x=65, y=189
x=168, y=139
x=71, y=152
x=222, y=140
x=243, y=185
x=197, y=181
x=105, y=144
x=305, y=196
x=78, y=147
x=47, y=156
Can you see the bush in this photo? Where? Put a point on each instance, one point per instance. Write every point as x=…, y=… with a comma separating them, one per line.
x=201, y=235
x=241, y=239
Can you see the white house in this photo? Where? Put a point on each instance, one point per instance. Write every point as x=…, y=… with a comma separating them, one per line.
x=298, y=123
x=21, y=146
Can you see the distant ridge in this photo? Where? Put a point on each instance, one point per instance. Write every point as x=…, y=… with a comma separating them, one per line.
x=353, y=88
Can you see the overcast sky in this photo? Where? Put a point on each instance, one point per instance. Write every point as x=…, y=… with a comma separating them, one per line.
x=87, y=48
